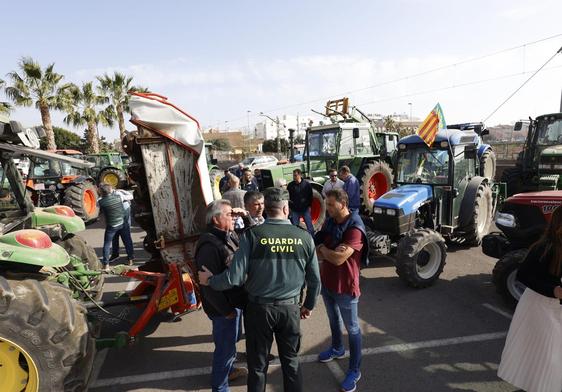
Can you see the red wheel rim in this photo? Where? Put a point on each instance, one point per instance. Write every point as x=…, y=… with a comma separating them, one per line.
x=378, y=186
x=315, y=210
x=89, y=202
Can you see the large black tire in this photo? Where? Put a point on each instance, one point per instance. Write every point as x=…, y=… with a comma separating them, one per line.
x=512, y=176
x=504, y=276
x=77, y=246
x=48, y=329
x=114, y=177
x=488, y=164
x=375, y=182
x=482, y=214
x=421, y=257
x=215, y=175
x=83, y=199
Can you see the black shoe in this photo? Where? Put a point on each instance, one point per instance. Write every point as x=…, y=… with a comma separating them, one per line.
x=113, y=257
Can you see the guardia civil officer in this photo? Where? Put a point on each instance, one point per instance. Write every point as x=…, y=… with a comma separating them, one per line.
x=273, y=262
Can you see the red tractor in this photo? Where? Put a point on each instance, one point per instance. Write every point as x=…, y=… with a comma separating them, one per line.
x=522, y=220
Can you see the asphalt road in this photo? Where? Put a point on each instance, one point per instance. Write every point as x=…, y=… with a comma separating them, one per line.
x=448, y=337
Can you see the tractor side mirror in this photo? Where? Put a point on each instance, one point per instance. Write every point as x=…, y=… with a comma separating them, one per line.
x=356, y=133
x=484, y=132
x=469, y=152
x=518, y=126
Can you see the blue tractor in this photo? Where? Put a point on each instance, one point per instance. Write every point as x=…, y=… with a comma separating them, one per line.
x=443, y=192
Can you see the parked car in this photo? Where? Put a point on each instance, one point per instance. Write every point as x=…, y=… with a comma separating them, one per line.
x=256, y=162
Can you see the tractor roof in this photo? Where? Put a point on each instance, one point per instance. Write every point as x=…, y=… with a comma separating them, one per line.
x=453, y=136
x=555, y=115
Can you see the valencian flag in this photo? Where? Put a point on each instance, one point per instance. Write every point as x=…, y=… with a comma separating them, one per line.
x=432, y=123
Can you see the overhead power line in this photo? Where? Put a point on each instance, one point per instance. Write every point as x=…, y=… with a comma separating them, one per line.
x=412, y=76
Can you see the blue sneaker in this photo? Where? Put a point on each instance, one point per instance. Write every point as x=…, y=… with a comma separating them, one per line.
x=349, y=384
x=328, y=355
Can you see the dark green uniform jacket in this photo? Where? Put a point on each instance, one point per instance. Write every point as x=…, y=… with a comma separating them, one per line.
x=277, y=258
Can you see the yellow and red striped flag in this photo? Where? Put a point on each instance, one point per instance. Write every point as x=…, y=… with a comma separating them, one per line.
x=431, y=125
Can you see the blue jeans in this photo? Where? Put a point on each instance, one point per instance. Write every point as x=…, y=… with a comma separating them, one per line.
x=124, y=231
x=225, y=336
x=344, y=306
x=115, y=242
x=295, y=217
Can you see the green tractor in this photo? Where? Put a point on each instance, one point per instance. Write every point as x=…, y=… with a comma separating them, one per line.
x=45, y=343
x=108, y=168
x=350, y=139
x=539, y=165
x=442, y=193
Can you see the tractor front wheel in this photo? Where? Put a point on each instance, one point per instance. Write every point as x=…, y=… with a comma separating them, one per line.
x=375, y=182
x=83, y=199
x=77, y=246
x=512, y=176
x=421, y=257
x=45, y=344
x=504, y=276
x=114, y=177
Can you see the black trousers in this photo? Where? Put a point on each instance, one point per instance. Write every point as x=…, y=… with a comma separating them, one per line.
x=262, y=322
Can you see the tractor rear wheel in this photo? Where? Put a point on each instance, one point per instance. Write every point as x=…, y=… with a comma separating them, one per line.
x=375, y=182
x=45, y=344
x=488, y=164
x=504, y=276
x=481, y=219
x=83, y=199
x=114, y=177
x=317, y=210
x=512, y=176
x=215, y=175
x=421, y=257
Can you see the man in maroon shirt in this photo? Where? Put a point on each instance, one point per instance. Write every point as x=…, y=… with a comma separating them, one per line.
x=341, y=246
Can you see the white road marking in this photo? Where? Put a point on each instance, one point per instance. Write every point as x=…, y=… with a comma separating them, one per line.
x=98, y=363
x=498, y=311
x=336, y=370
x=393, y=348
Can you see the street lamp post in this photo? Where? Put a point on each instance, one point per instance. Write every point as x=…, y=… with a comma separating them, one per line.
x=276, y=121
x=410, y=104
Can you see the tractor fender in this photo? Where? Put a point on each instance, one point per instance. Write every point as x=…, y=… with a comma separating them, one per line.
x=468, y=200
x=316, y=186
x=482, y=149
x=82, y=179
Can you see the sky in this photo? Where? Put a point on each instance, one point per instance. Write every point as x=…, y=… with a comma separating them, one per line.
x=224, y=62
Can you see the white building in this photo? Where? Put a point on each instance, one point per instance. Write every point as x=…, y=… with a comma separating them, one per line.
x=269, y=129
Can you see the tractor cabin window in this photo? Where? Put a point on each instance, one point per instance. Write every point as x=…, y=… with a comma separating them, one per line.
x=419, y=164
x=464, y=168
x=322, y=143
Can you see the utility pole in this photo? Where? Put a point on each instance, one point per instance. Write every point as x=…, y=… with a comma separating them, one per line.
x=278, y=135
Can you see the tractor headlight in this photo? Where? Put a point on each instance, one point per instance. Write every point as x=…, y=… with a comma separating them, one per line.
x=558, y=167
x=444, y=144
x=377, y=210
x=544, y=166
x=391, y=212
x=506, y=220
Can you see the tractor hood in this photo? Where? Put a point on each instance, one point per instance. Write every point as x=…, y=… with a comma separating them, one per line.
x=407, y=198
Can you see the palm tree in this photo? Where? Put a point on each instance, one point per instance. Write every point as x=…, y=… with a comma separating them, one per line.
x=116, y=89
x=82, y=107
x=39, y=85
x=5, y=107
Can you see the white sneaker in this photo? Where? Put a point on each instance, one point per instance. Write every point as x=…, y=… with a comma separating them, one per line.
x=105, y=268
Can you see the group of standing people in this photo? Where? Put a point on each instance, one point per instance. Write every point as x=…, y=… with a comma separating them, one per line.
x=281, y=269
